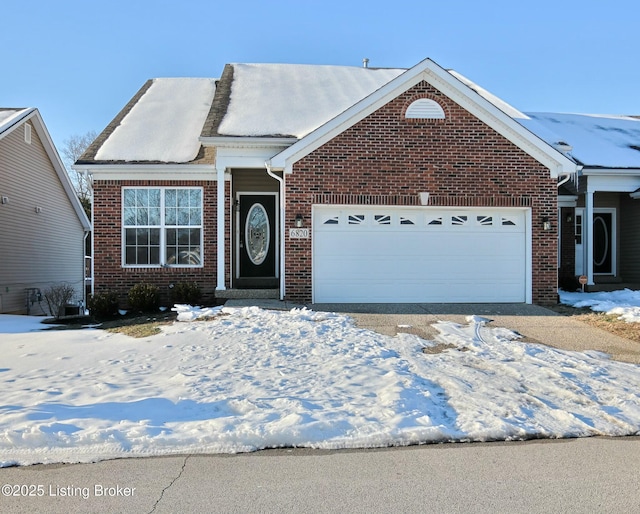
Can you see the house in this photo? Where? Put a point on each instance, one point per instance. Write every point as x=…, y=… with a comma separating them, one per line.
x=599, y=214
x=42, y=223
x=327, y=184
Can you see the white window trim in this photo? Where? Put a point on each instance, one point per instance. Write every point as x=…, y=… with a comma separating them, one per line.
x=162, y=227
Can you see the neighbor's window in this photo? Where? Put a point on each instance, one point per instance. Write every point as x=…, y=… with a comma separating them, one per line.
x=162, y=226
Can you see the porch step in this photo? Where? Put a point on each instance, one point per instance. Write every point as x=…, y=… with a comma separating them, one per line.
x=612, y=286
x=261, y=294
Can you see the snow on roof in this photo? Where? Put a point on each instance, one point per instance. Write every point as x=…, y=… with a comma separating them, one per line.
x=498, y=102
x=295, y=99
x=9, y=115
x=164, y=125
x=597, y=140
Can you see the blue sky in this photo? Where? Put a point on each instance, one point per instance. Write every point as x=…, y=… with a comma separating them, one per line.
x=80, y=62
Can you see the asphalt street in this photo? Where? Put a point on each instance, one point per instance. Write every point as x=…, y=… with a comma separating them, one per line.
x=594, y=475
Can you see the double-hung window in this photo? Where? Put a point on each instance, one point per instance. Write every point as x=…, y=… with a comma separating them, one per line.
x=162, y=226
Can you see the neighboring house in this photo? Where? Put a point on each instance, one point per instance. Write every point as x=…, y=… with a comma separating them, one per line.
x=599, y=215
x=42, y=223
x=327, y=184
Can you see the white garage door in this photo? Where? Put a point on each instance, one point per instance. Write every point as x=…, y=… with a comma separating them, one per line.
x=419, y=254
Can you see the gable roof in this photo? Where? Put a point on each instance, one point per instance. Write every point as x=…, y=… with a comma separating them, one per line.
x=160, y=124
x=287, y=100
x=455, y=89
x=592, y=140
x=11, y=119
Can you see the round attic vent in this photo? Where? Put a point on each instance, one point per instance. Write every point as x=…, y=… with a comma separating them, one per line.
x=425, y=109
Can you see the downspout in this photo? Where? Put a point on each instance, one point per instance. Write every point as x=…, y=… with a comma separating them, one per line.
x=84, y=271
x=280, y=180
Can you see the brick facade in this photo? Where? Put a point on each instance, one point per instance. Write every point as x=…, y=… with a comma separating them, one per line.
x=458, y=160
x=110, y=275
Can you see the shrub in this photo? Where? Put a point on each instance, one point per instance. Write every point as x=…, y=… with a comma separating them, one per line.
x=57, y=297
x=144, y=297
x=103, y=305
x=187, y=293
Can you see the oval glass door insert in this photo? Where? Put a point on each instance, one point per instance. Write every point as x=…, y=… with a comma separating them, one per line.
x=257, y=234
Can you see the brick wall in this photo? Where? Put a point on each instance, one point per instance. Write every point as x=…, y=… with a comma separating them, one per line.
x=108, y=271
x=458, y=160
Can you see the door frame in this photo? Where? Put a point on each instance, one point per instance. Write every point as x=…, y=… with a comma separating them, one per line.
x=238, y=228
x=581, y=253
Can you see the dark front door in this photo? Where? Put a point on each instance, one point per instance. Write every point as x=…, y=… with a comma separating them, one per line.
x=603, y=242
x=257, y=243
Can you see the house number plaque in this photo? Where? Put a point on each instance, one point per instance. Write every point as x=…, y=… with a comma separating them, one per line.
x=298, y=233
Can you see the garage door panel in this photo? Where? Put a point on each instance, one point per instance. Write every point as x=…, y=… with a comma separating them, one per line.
x=483, y=260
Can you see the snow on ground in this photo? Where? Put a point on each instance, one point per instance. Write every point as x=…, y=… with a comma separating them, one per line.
x=249, y=378
x=625, y=303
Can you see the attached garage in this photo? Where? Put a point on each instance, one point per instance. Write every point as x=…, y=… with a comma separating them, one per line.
x=375, y=254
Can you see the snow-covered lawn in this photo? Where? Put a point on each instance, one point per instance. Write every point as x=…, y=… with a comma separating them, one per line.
x=252, y=378
x=624, y=303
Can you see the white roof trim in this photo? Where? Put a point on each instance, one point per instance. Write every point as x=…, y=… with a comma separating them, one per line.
x=594, y=172
x=13, y=121
x=149, y=171
x=567, y=200
x=247, y=141
x=452, y=87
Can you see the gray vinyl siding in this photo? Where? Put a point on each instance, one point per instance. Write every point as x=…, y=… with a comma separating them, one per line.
x=37, y=249
x=630, y=239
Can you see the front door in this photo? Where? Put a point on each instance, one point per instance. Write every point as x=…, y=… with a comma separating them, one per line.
x=256, y=241
x=603, y=240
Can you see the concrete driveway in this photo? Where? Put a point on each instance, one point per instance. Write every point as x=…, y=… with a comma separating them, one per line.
x=534, y=323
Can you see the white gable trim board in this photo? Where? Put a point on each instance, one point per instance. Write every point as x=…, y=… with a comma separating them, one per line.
x=375, y=254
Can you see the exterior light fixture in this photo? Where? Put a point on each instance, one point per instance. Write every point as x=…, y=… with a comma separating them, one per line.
x=546, y=224
x=299, y=221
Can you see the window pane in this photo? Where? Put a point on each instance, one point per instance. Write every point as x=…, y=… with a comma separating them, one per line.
x=130, y=236
x=142, y=255
x=170, y=197
x=171, y=236
x=142, y=197
x=194, y=236
x=183, y=216
x=154, y=216
x=142, y=217
x=194, y=197
x=170, y=216
x=142, y=237
x=130, y=255
x=129, y=197
x=154, y=255
x=154, y=198
x=154, y=236
x=183, y=236
x=183, y=198
x=129, y=216
x=195, y=216
x=171, y=255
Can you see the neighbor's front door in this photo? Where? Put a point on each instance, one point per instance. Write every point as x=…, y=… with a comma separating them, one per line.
x=256, y=241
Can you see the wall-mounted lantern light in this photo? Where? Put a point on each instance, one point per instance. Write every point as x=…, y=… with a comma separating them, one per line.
x=546, y=224
x=299, y=221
